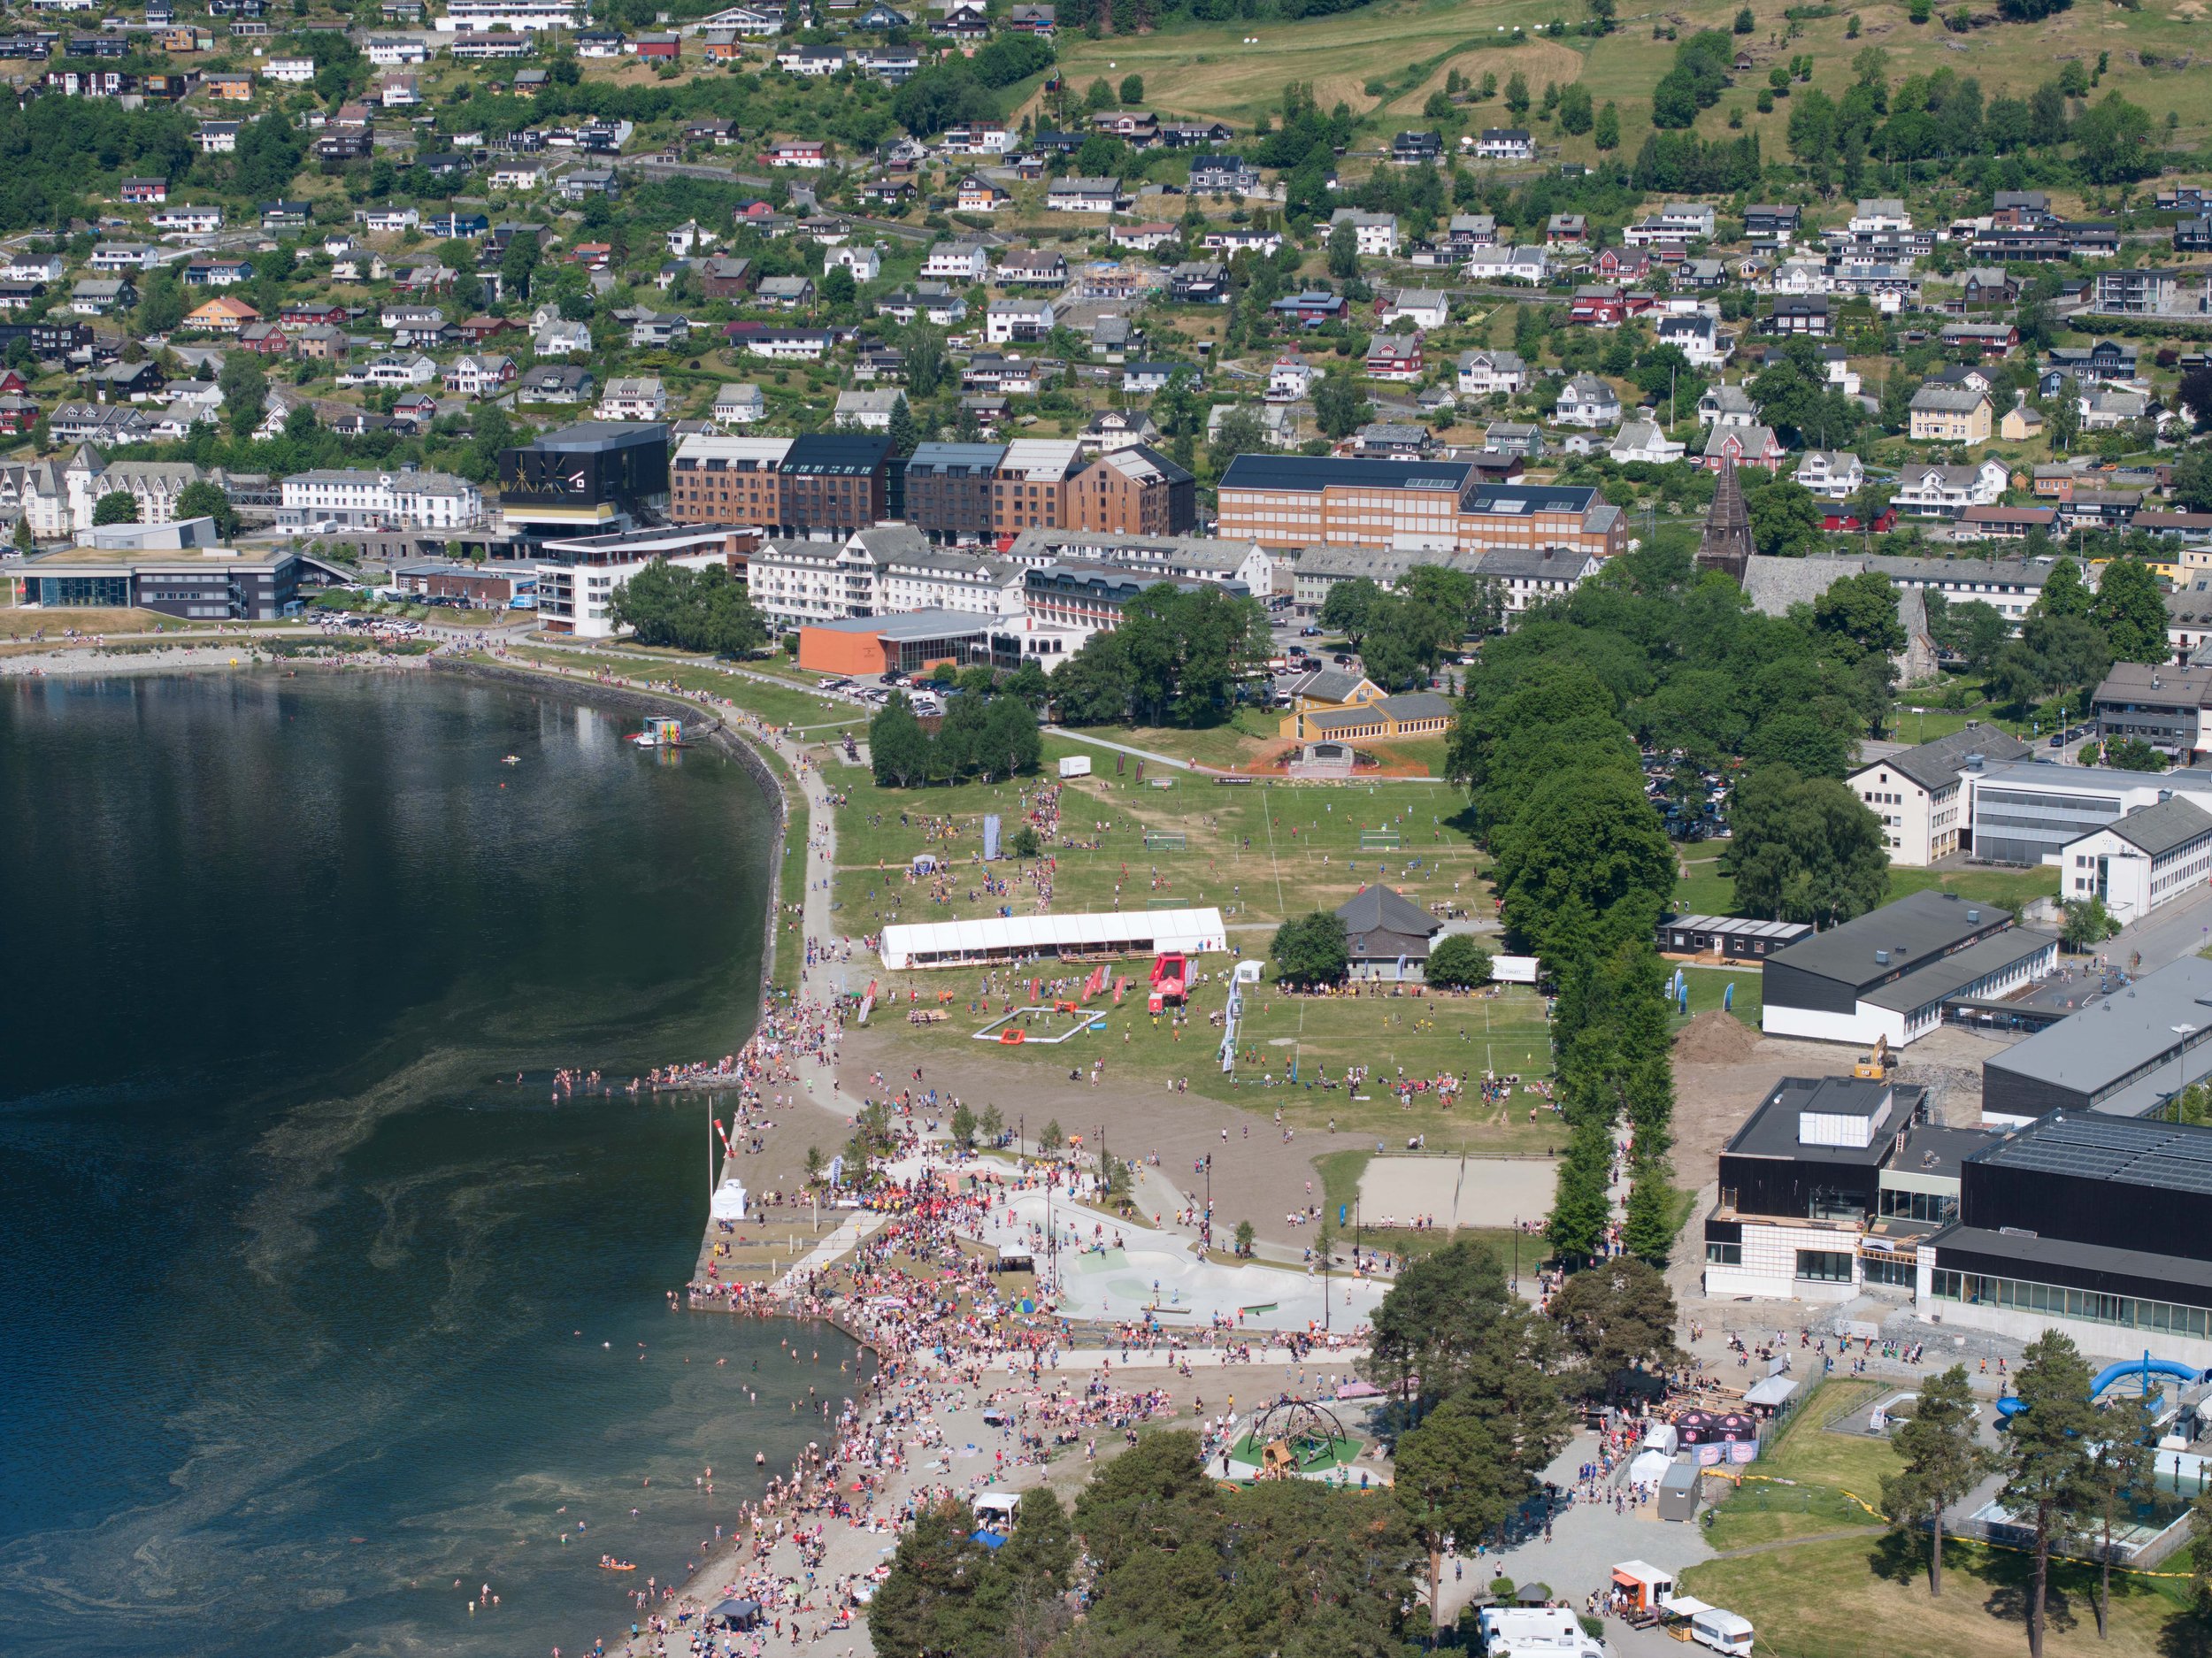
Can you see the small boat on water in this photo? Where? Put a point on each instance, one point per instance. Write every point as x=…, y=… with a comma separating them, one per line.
x=511, y=759
x=619, y=1565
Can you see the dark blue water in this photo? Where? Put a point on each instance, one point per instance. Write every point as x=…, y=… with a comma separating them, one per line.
x=306, y=1308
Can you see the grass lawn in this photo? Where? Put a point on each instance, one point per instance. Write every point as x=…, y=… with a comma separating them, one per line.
x=2009, y=887
x=1704, y=891
x=1708, y=987
x=1819, y=1598
x=1405, y=49
x=17, y=622
x=1236, y=742
x=1845, y=1597
x=1806, y=1484
x=1707, y=892
x=1260, y=853
x=772, y=702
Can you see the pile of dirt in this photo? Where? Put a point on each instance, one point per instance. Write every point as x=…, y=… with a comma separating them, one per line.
x=1715, y=1038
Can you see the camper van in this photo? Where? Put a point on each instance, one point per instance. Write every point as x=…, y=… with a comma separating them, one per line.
x=1723, y=1630
x=1537, y=1632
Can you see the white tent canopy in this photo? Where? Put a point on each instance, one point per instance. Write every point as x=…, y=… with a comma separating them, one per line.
x=1683, y=1606
x=1774, y=1390
x=1009, y=938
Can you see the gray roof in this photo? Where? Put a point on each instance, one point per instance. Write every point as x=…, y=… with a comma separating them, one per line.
x=1943, y=399
x=1328, y=685
x=1416, y=705
x=1949, y=974
x=2110, y=1038
x=1532, y=563
x=1379, y=910
x=1771, y=1131
x=2157, y=829
x=916, y=625
x=1914, y=929
x=2163, y=686
x=2016, y=572
x=1937, y=764
x=1772, y=584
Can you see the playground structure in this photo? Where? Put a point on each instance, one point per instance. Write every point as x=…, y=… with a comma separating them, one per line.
x=1246, y=974
x=661, y=731
x=1017, y=1026
x=1293, y=1439
x=2144, y=1367
x=1170, y=981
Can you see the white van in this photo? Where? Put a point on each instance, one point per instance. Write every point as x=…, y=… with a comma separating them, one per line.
x=1537, y=1632
x=1721, y=1630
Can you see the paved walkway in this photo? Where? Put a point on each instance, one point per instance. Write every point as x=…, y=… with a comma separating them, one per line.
x=850, y=1234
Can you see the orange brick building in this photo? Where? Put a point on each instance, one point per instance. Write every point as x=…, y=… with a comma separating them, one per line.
x=1136, y=491
x=864, y=647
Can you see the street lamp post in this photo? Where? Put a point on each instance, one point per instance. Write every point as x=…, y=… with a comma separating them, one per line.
x=1206, y=1223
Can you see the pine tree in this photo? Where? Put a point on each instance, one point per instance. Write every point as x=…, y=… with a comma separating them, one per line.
x=2047, y=1460
x=1942, y=1463
x=904, y=434
x=1608, y=133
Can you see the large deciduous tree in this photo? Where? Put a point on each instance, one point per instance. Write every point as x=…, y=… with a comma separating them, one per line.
x=1804, y=850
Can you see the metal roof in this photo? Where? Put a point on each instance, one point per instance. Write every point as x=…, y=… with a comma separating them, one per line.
x=2158, y=829
x=2099, y=1049
x=1312, y=473
x=1947, y=975
x=2165, y=1155
x=1913, y=930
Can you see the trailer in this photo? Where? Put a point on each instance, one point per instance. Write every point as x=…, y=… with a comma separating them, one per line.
x=1075, y=765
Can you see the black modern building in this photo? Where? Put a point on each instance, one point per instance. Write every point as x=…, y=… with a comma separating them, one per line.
x=590, y=478
x=1830, y=1187
x=836, y=483
x=2100, y=1221
x=948, y=490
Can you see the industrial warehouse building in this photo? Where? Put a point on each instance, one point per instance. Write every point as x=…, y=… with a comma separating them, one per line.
x=1894, y=972
x=2123, y=1053
x=1094, y=936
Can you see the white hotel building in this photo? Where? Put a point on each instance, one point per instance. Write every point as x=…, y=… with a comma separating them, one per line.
x=363, y=500
x=479, y=17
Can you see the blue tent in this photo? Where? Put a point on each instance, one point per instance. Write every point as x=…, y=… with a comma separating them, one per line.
x=989, y=1540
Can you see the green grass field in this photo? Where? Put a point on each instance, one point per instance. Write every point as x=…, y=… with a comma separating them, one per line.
x=1707, y=892
x=1260, y=853
x=1407, y=48
x=1708, y=987
x=1840, y=1598
x=820, y=717
x=1819, y=1598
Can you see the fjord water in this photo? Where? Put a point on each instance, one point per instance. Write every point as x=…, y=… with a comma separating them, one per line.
x=307, y=1309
